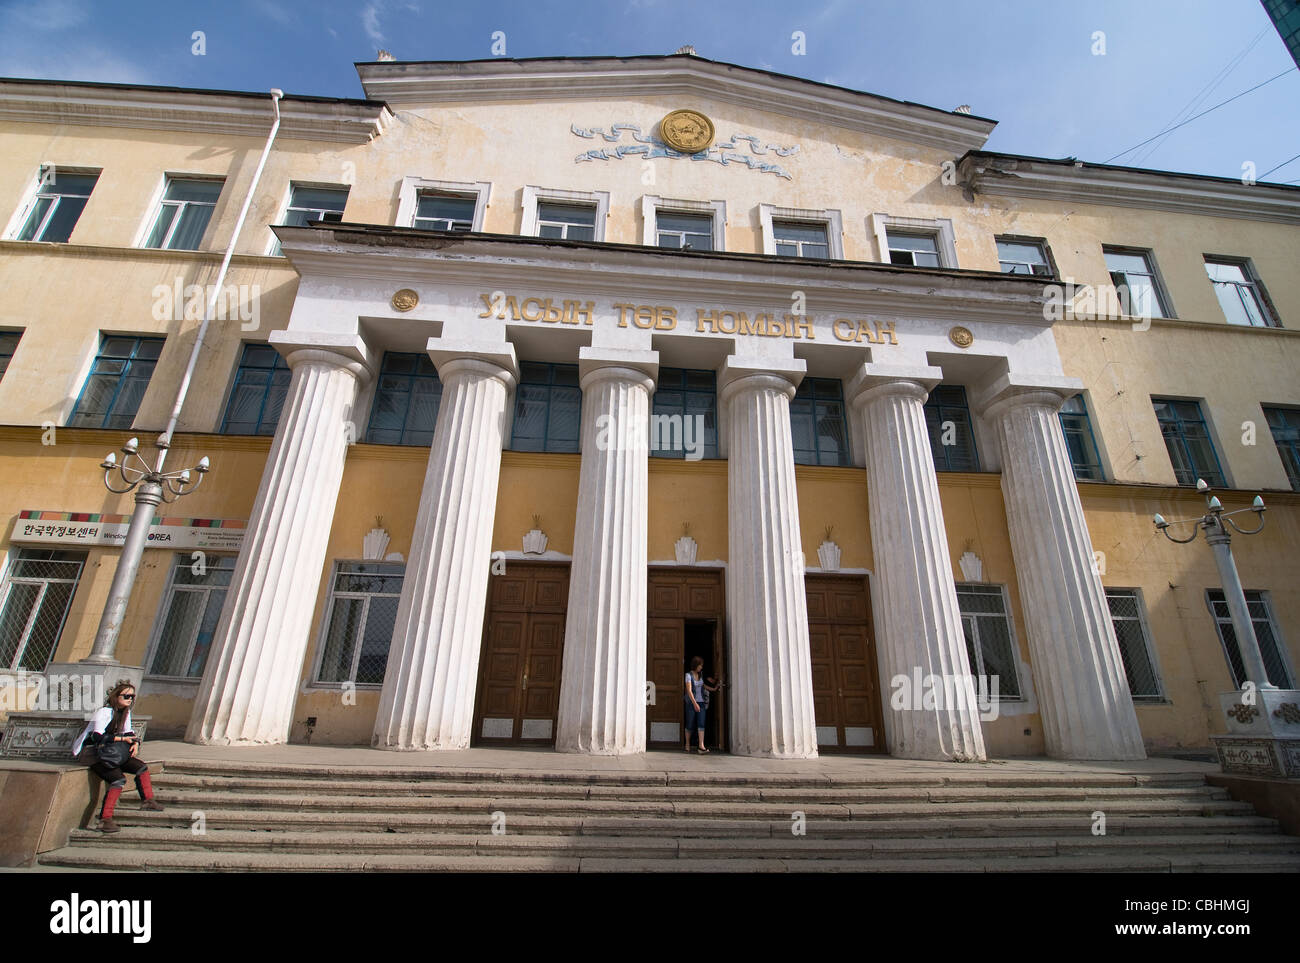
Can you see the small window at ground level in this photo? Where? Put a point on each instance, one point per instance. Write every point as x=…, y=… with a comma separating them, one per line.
x=190, y=613
x=1126, y=615
x=362, y=614
x=34, y=605
x=1266, y=634
x=990, y=644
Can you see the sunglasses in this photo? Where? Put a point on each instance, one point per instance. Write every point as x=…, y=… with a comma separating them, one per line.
x=125, y=697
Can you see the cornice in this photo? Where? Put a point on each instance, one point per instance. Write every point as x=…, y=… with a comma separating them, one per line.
x=212, y=112
x=422, y=84
x=158, y=255
x=1077, y=182
x=1183, y=324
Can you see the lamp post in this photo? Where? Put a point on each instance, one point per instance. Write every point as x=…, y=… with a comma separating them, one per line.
x=1216, y=523
x=152, y=486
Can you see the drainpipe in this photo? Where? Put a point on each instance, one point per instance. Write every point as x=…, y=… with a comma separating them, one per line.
x=149, y=493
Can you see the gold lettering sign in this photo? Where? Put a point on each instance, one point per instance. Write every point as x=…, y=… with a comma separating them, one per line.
x=688, y=131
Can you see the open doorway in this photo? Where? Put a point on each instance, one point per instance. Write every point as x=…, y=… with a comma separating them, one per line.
x=700, y=637
x=686, y=611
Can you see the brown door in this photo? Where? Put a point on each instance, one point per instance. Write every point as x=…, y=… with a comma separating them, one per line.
x=846, y=694
x=523, y=645
x=686, y=607
x=665, y=640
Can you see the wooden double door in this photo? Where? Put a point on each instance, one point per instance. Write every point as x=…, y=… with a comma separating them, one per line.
x=686, y=609
x=523, y=644
x=846, y=690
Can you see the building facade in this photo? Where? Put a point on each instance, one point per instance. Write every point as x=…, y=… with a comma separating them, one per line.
x=531, y=380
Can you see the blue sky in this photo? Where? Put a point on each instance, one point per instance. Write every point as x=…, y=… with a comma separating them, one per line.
x=1033, y=65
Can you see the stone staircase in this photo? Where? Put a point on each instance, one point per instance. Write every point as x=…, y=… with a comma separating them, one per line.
x=286, y=818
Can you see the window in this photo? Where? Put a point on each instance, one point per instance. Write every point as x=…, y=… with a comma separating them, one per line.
x=407, y=395
x=952, y=438
x=548, y=408
x=1023, y=257
x=817, y=424
x=183, y=214
x=1285, y=425
x=191, y=611
x=917, y=250
x=261, y=384
x=677, y=224
x=1191, y=452
x=1240, y=293
x=58, y=204
x=1128, y=617
x=565, y=215
x=684, y=231
x=1141, y=295
x=118, y=379
x=990, y=646
x=1266, y=635
x=37, y=595
x=1079, y=440
x=442, y=205
x=362, y=614
x=8, y=345
x=436, y=211
x=685, y=414
x=312, y=204
x=794, y=232
x=914, y=241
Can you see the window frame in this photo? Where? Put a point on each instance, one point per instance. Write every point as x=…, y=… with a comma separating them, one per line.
x=327, y=615
x=374, y=398
x=551, y=386
x=1091, y=436
x=7, y=359
x=879, y=224
x=1013, y=641
x=140, y=339
x=280, y=364
x=846, y=453
x=1039, y=242
x=164, y=610
x=160, y=199
x=534, y=197
x=830, y=219
x=970, y=427
x=709, y=451
x=1253, y=281
x=1164, y=302
x=652, y=205
x=19, y=220
x=408, y=203
x=1144, y=626
x=1279, y=642
x=273, y=249
x=1294, y=479
x=6, y=592
x=1220, y=478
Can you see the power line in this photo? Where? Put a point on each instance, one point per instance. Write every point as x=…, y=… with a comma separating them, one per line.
x=1279, y=166
x=1201, y=114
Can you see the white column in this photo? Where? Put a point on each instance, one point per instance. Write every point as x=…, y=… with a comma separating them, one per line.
x=1083, y=692
x=251, y=681
x=917, y=617
x=767, y=609
x=428, y=697
x=602, y=686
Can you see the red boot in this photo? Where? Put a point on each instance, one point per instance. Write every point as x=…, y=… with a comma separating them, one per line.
x=143, y=784
x=106, y=823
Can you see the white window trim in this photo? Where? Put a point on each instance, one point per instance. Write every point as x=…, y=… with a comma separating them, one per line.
x=19, y=219
x=160, y=621
x=652, y=204
x=322, y=634
x=1144, y=624
x=940, y=227
x=1011, y=634
x=535, y=195
x=833, y=221
x=155, y=206
x=287, y=202
x=412, y=186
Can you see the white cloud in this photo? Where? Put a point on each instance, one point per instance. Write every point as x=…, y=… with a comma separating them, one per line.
x=45, y=16
x=274, y=11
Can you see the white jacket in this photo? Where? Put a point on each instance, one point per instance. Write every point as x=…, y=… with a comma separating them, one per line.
x=98, y=722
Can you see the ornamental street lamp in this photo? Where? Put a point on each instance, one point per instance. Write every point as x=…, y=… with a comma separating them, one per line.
x=152, y=486
x=1216, y=523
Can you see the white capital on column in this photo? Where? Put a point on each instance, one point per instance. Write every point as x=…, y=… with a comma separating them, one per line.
x=429, y=685
x=602, y=685
x=771, y=658
x=1083, y=692
x=919, y=620
x=250, y=683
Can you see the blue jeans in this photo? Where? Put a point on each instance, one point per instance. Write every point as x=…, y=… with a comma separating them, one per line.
x=694, y=718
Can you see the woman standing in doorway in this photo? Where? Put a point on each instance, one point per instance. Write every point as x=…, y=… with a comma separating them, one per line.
x=108, y=737
x=695, y=703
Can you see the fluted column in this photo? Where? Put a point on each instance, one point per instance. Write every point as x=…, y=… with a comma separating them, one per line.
x=251, y=681
x=602, y=686
x=1083, y=692
x=917, y=615
x=428, y=697
x=771, y=659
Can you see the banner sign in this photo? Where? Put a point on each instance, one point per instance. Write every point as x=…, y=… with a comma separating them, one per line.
x=92, y=528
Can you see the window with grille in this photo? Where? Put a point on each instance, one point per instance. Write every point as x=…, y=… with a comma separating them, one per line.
x=1284, y=423
x=257, y=398
x=442, y=211
x=1187, y=437
x=818, y=427
x=118, y=379
x=990, y=644
x=952, y=436
x=362, y=613
x=190, y=613
x=57, y=206
x=312, y=204
x=407, y=396
x=183, y=214
x=1128, y=617
x=685, y=414
x=1079, y=440
x=548, y=408
x=8, y=345
x=36, y=597
x=1266, y=634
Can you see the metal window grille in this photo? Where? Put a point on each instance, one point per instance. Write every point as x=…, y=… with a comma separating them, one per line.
x=1261, y=617
x=990, y=644
x=1134, y=643
x=362, y=613
x=191, y=611
x=36, y=597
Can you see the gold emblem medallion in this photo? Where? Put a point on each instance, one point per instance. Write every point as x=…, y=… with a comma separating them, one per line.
x=405, y=300
x=961, y=337
x=687, y=131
